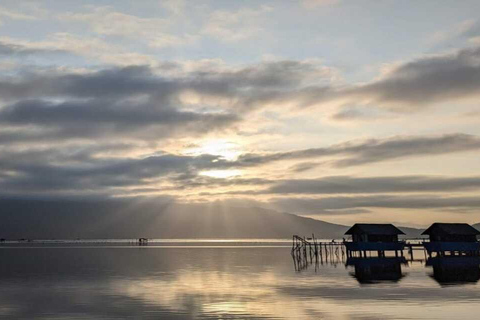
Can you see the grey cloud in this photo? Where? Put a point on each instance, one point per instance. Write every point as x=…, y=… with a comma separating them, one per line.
x=408, y=87
x=348, y=114
x=99, y=118
x=138, y=103
x=242, y=84
x=428, y=80
x=312, y=205
x=375, y=150
x=284, y=74
x=346, y=184
x=116, y=83
x=139, y=98
x=358, y=185
x=304, y=166
x=49, y=170
x=78, y=168
x=12, y=50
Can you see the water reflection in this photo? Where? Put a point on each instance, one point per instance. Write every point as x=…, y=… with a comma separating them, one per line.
x=368, y=270
x=212, y=283
x=447, y=270
x=455, y=270
x=374, y=270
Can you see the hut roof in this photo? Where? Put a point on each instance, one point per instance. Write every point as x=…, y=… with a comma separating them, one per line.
x=451, y=229
x=375, y=229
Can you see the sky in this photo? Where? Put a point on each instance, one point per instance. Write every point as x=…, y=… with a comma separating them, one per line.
x=339, y=110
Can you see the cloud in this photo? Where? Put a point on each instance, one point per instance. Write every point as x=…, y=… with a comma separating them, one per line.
x=231, y=26
x=351, y=185
x=407, y=87
x=174, y=6
x=106, y=21
x=13, y=15
x=374, y=150
x=138, y=100
x=94, y=104
x=310, y=4
x=425, y=81
x=459, y=30
x=101, y=118
x=313, y=205
x=296, y=85
x=387, y=184
x=73, y=171
x=89, y=47
x=238, y=84
x=13, y=49
x=50, y=111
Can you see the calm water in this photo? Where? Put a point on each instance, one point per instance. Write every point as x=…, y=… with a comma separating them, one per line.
x=223, y=280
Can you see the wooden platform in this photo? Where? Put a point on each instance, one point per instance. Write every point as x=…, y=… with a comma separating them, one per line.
x=310, y=247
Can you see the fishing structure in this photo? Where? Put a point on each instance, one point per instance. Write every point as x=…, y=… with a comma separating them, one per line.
x=376, y=240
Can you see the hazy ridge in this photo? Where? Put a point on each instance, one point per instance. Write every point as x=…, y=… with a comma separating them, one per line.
x=60, y=219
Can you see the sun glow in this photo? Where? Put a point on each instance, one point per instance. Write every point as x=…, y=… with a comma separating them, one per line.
x=221, y=174
x=218, y=147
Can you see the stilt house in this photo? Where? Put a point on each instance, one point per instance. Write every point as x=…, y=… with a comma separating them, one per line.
x=374, y=237
x=454, y=238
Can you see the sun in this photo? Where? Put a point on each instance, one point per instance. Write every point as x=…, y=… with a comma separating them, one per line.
x=222, y=148
x=219, y=147
x=221, y=174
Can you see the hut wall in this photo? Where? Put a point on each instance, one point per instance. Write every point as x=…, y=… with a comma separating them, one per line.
x=356, y=237
x=382, y=238
x=453, y=238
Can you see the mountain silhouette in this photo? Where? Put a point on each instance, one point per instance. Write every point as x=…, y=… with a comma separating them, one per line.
x=123, y=219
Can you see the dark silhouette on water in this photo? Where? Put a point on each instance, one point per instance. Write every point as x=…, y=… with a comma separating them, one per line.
x=367, y=270
x=377, y=269
x=455, y=270
x=142, y=241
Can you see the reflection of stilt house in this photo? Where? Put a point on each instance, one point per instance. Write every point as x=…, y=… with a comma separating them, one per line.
x=455, y=238
x=371, y=270
x=455, y=270
x=374, y=237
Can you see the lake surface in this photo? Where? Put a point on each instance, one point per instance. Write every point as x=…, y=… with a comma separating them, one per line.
x=224, y=280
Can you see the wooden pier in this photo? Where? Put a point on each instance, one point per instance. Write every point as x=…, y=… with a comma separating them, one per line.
x=310, y=249
x=445, y=239
x=306, y=250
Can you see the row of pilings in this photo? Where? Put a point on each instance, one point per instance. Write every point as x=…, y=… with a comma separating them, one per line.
x=308, y=250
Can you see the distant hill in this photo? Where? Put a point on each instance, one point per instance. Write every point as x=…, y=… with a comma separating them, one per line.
x=123, y=219
x=412, y=232
x=476, y=226
x=54, y=219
